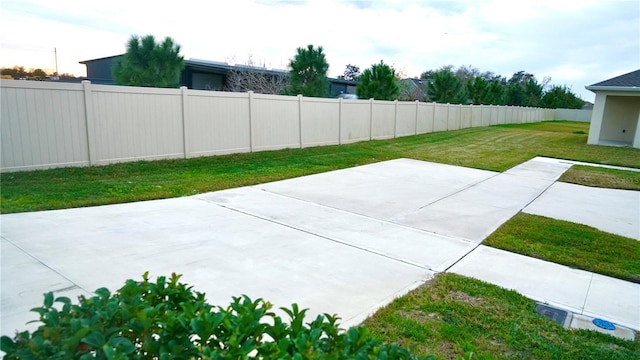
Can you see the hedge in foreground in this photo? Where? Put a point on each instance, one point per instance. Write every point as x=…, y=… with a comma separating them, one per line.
x=169, y=320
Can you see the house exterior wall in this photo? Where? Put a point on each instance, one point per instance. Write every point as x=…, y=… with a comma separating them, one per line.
x=99, y=70
x=596, y=118
x=621, y=113
x=615, y=119
x=197, y=76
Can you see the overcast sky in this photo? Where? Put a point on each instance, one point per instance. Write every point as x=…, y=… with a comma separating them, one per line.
x=576, y=43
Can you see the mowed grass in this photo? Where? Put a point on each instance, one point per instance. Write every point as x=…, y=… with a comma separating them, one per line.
x=602, y=177
x=454, y=317
x=570, y=244
x=447, y=317
x=496, y=148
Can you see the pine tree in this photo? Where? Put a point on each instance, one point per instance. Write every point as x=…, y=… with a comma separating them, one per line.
x=147, y=63
x=445, y=88
x=378, y=82
x=309, y=73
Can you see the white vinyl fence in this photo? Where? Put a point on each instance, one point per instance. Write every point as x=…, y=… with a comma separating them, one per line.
x=45, y=124
x=573, y=115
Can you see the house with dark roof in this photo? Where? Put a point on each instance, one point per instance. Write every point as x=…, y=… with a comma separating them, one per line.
x=204, y=74
x=615, y=119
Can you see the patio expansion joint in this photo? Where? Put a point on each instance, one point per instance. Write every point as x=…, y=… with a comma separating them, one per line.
x=48, y=267
x=324, y=237
x=519, y=210
x=456, y=192
x=389, y=221
x=586, y=297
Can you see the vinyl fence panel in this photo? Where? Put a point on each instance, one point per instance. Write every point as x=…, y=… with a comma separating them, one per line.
x=217, y=123
x=355, y=121
x=465, y=117
x=425, y=117
x=136, y=123
x=45, y=124
x=573, y=115
x=440, y=117
x=383, y=120
x=275, y=122
x=406, y=123
x=453, y=117
x=320, y=121
x=42, y=125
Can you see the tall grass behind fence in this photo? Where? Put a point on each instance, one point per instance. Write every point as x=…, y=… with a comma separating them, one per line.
x=45, y=124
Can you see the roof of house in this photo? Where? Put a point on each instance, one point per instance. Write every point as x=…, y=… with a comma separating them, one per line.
x=631, y=79
x=102, y=58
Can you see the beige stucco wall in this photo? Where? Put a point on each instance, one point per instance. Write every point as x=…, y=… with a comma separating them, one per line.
x=615, y=119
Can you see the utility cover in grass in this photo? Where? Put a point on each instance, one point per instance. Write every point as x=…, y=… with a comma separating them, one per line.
x=554, y=314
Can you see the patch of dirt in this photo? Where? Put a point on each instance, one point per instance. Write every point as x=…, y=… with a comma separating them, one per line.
x=420, y=316
x=464, y=297
x=449, y=350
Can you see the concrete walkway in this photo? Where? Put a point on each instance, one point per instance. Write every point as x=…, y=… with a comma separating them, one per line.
x=344, y=242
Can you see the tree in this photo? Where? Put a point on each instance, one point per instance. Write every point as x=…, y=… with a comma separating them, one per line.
x=351, y=72
x=19, y=72
x=466, y=73
x=378, y=82
x=257, y=79
x=524, y=90
x=495, y=93
x=309, y=73
x=477, y=89
x=482, y=91
x=40, y=74
x=147, y=63
x=445, y=87
x=561, y=97
x=16, y=72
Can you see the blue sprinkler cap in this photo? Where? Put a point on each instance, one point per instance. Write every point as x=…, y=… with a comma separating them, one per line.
x=604, y=324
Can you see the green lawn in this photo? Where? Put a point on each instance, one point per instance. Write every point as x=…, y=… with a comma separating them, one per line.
x=602, y=177
x=453, y=315
x=448, y=316
x=494, y=148
x=570, y=244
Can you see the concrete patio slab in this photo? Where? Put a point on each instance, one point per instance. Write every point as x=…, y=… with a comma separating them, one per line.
x=611, y=210
x=554, y=284
x=420, y=248
x=611, y=298
x=220, y=251
x=382, y=190
x=477, y=211
x=343, y=242
x=458, y=217
x=541, y=168
x=33, y=278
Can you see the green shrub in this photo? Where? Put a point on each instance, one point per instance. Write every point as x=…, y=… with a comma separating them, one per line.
x=166, y=319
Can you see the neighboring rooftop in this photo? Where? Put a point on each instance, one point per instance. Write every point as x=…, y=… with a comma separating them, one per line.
x=631, y=79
